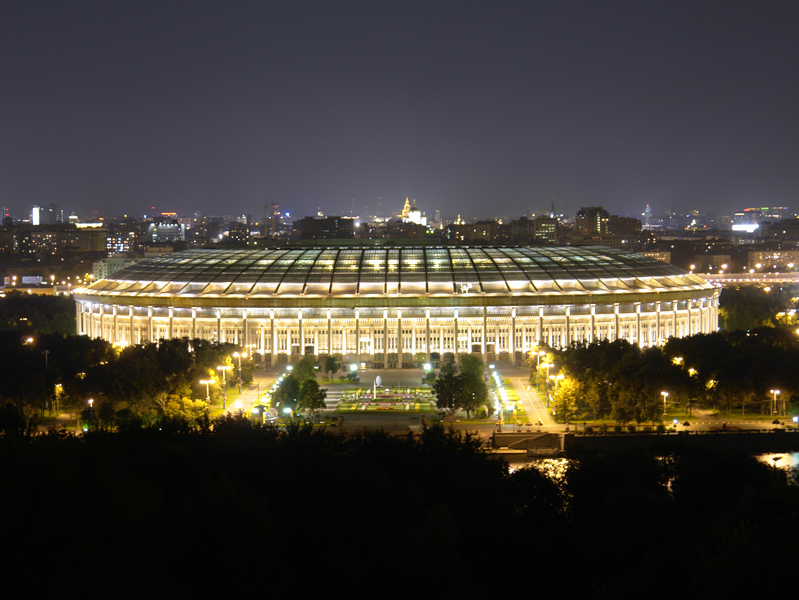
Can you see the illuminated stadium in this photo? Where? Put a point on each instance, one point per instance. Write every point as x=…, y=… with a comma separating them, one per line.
x=398, y=306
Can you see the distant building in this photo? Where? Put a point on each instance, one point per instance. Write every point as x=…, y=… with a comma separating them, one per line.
x=623, y=225
x=121, y=242
x=661, y=256
x=766, y=260
x=238, y=234
x=540, y=230
x=169, y=230
x=108, y=266
x=47, y=215
x=333, y=227
x=473, y=232
x=593, y=220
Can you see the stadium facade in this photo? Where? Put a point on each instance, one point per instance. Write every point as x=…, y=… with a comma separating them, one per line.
x=398, y=306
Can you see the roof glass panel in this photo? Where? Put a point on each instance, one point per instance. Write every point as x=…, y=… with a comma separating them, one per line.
x=396, y=269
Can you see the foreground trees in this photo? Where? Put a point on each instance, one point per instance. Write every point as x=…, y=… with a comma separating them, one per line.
x=145, y=505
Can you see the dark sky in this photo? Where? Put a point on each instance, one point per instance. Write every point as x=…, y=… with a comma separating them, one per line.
x=478, y=108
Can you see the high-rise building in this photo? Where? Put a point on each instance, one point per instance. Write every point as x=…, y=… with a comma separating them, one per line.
x=47, y=215
x=592, y=220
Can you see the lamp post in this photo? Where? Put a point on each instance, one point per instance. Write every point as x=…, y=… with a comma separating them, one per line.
x=665, y=395
x=239, y=355
x=774, y=401
x=224, y=386
x=557, y=378
x=207, y=383
x=547, y=365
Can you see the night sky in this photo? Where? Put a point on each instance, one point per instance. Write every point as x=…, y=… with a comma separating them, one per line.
x=476, y=108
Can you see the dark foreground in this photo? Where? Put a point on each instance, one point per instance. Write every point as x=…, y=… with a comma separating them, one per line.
x=245, y=511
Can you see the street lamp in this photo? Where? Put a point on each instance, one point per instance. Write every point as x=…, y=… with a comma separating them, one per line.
x=556, y=379
x=224, y=386
x=774, y=401
x=239, y=355
x=547, y=364
x=665, y=395
x=207, y=383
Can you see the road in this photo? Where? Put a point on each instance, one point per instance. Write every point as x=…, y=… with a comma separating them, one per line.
x=533, y=406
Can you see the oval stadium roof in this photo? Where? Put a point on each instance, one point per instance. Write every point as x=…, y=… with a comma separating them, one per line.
x=396, y=271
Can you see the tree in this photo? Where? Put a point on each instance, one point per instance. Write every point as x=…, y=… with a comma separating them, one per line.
x=305, y=369
x=311, y=398
x=332, y=365
x=287, y=392
x=473, y=392
x=566, y=399
x=473, y=389
x=447, y=390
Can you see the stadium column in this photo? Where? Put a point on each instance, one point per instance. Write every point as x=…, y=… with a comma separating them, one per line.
x=385, y=338
x=194, y=323
x=658, y=337
x=399, y=337
x=246, y=333
x=688, y=309
x=219, y=339
x=427, y=332
x=102, y=321
x=329, y=334
x=512, y=336
x=300, y=339
x=358, y=336
x=592, y=332
x=79, y=318
x=541, y=325
x=568, y=336
x=116, y=322
x=485, y=333
x=149, y=324
x=273, y=338
x=674, y=318
x=638, y=334
x=457, y=342
x=702, y=316
x=171, y=322
x=616, y=321
x=263, y=341
x=132, y=339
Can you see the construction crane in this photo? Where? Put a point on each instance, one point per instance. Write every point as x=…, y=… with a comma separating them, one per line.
x=269, y=208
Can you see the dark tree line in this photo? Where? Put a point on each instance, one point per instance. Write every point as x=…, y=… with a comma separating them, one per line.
x=42, y=374
x=241, y=509
x=29, y=313
x=725, y=371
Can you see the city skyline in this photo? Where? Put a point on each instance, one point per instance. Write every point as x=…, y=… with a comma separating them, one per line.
x=474, y=109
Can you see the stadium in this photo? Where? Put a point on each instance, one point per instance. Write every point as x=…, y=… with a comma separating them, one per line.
x=398, y=306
